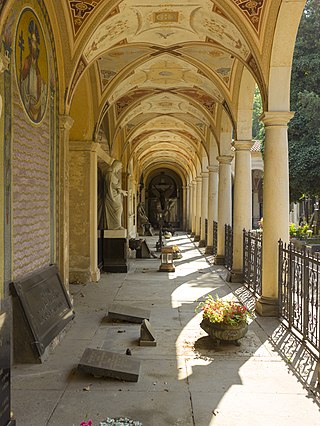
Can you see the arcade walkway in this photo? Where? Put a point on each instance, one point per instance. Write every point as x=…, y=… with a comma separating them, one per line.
x=184, y=380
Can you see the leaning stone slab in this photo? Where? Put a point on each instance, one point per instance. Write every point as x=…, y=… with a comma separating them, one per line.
x=128, y=313
x=101, y=363
x=147, y=335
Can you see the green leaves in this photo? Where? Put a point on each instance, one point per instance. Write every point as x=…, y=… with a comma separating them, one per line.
x=304, y=128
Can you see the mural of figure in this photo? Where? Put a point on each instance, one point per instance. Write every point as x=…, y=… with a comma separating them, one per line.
x=114, y=196
x=33, y=88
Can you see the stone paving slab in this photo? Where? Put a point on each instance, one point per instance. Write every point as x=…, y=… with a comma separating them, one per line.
x=150, y=408
x=233, y=407
x=162, y=375
x=34, y=407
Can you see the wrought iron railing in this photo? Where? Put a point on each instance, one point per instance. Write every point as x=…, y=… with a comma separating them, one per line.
x=228, y=247
x=299, y=294
x=215, y=238
x=206, y=231
x=252, y=261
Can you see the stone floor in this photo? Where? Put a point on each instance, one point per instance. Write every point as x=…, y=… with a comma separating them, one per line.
x=184, y=380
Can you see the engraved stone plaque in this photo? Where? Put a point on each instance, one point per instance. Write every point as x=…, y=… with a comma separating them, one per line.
x=128, y=313
x=147, y=335
x=42, y=309
x=101, y=363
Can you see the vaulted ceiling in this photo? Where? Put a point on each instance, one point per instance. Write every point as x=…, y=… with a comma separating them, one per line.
x=162, y=74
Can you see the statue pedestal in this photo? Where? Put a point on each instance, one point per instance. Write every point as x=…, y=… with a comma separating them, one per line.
x=115, y=250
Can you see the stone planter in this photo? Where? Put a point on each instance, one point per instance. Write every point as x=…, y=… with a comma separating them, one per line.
x=224, y=332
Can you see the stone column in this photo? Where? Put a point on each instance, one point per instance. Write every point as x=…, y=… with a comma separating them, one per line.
x=224, y=204
x=193, y=207
x=204, y=208
x=242, y=207
x=65, y=124
x=275, y=206
x=212, y=205
x=188, y=227
x=83, y=212
x=184, y=207
x=198, y=207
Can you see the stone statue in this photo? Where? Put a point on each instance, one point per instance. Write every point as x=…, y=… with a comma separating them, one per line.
x=142, y=216
x=114, y=195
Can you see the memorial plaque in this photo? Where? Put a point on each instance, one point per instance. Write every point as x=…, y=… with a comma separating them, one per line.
x=99, y=362
x=5, y=373
x=147, y=335
x=41, y=310
x=128, y=313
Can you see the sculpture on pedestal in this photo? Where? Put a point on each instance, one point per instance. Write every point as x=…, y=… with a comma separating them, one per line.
x=114, y=195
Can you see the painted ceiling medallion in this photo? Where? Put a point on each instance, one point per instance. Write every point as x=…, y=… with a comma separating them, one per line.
x=252, y=10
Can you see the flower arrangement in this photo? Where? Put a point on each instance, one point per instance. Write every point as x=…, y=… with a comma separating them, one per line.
x=223, y=311
x=176, y=252
x=300, y=232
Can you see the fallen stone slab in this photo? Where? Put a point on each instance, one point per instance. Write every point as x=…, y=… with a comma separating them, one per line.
x=128, y=313
x=101, y=363
x=147, y=335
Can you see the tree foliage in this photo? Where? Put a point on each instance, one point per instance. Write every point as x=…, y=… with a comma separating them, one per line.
x=304, y=128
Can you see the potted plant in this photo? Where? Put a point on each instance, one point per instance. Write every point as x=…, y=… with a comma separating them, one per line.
x=224, y=319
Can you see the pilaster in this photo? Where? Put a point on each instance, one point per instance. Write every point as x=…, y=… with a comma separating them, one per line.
x=83, y=212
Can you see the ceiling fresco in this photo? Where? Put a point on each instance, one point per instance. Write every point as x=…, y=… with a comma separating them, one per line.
x=165, y=25
x=252, y=10
x=80, y=12
x=166, y=72
x=117, y=59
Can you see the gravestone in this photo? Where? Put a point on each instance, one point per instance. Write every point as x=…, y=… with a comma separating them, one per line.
x=101, y=363
x=41, y=311
x=128, y=313
x=5, y=365
x=147, y=335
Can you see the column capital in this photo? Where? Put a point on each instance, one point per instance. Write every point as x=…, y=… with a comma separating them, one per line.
x=65, y=122
x=243, y=145
x=276, y=118
x=225, y=159
x=214, y=169
x=204, y=175
x=198, y=179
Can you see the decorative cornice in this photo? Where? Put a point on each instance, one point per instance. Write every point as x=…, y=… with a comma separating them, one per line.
x=83, y=146
x=4, y=62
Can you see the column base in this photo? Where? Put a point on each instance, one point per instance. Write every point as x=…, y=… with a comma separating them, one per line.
x=236, y=276
x=192, y=234
x=84, y=277
x=196, y=238
x=267, y=307
x=202, y=243
x=209, y=250
x=219, y=259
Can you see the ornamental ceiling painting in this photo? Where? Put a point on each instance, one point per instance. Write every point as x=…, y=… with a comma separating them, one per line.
x=170, y=69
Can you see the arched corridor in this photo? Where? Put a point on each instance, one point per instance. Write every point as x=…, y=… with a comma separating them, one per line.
x=119, y=120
